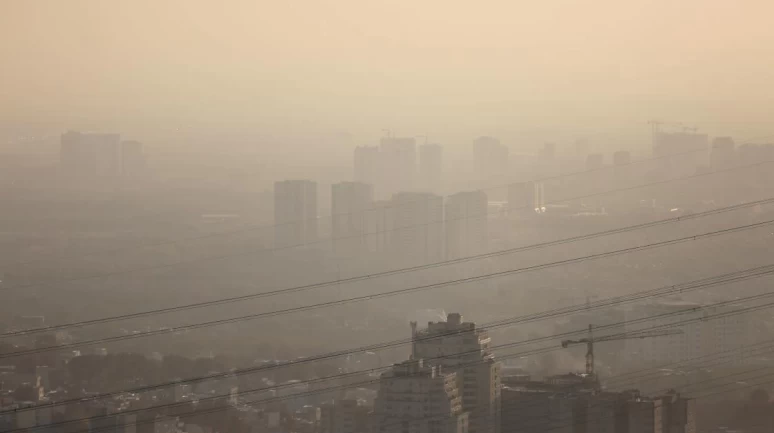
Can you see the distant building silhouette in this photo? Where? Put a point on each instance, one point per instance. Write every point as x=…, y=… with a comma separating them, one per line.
x=526, y=197
x=491, y=159
x=367, y=166
x=350, y=200
x=295, y=213
x=548, y=151
x=98, y=154
x=416, y=232
x=132, y=158
x=90, y=153
x=466, y=224
x=430, y=167
x=398, y=165
x=379, y=220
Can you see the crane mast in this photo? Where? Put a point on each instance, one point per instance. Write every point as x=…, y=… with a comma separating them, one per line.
x=590, y=340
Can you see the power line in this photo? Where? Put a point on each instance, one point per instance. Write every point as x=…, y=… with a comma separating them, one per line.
x=390, y=272
x=392, y=293
x=395, y=229
x=252, y=228
x=523, y=319
x=456, y=355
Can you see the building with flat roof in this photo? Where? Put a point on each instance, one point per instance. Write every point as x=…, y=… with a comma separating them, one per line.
x=367, y=167
x=398, y=160
x=462, y=348
x=295, y=213
x=416, y=230
x=350, y=201
x=99, y=154
x=415, y=397
x=430, y=167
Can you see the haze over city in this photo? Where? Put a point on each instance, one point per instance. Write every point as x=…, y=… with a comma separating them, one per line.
x=350, y=216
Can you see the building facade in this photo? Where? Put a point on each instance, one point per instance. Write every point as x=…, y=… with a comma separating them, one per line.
x=416, y=231
x=350, y=202
x=398, y=160
x=430, y=167
x=466, y=224
x=418, y=398
x=459, y=347
x=295, y=213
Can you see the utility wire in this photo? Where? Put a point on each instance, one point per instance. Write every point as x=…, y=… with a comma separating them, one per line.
x=395, y=229
x=263, y=227
x=506, y=345
x=456, y=355
x=723, y=279
x=389, y=293
x=391, y=272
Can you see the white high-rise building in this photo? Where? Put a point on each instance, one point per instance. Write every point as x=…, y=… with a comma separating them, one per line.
x=416, y=232
x=458, y=346
x=466, y=224
x=418, y=398
x=351, y=201
x=295, y=213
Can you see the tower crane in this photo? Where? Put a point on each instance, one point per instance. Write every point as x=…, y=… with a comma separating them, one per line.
x=590, y=340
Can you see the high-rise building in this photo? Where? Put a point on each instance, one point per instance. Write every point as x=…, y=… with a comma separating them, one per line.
x=415, y=397
x=416, y=232
x=95, y=154
x=295, y=213
x=723, y=154
x=90, y=153
x=466, y=224
x=462, y=348
x=430, y=167
x=398, y=165
x=350, y=201
x=582, y=147
x=491, y=159
x=379, y=220
x=367, y=167
x=132, y=158
x=344, y=416
x=548, y=151
x=571, y=406
x=678, y=414
x=643, y=416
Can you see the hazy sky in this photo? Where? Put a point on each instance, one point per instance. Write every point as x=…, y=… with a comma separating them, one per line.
x=424, y=66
